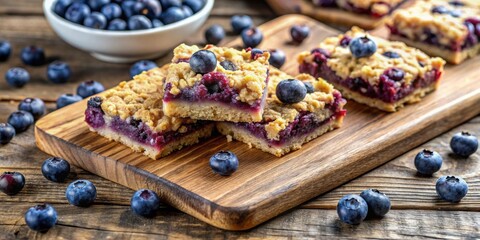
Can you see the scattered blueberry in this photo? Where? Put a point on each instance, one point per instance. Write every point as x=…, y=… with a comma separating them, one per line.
x=5, y=50
x=464, y=144
x=61, y=6
x=240, y=23
x=451, y=188
x=170, y=3
x=20, y=120
x=33, y=56
x=117, y=25
x=277, y=58
x=173, y=14
x=252, y=37
x=215, y=34
x=378, y=203
x=96, y=5
x=149, y=8
x=195, y=5
x=145, y=202
x=55, y=169
x=17, y=77
x=67, y=99
x=89, y=88
x=58, y=72
x=41, y=217
x=352, y=209
x=203, y=61
x=77, y=12
x=81, y=193
x=228, y=65
x=35, y=106
x=224, y=163
x=299, y=33
x=309, y=86
x=390, y=54
x=7, y=132
x=139, y=22
x=11, y=183
x=396, y=74
x=428, y=162
x=141, y=66
x=128, y=8
x=112, y=11
x=157, y=23
x=291, y=91
x=187, y=11
x=363, y=47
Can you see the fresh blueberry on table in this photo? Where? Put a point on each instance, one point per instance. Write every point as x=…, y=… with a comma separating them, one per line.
x=117, y=25
x=11, y=183
x=67, y=99
x=55, y=169
x=391, y=54
x=77, y=12
x=277, y=58
x=363, y=47
x=170, y=3
x=5, y=50
x=214, y=34
x=252, y=37
x=203, y=61
x=149, y=8
x=464, y=144
x=141, y=66
x=224, y=163
x=60, y=7
x=139, y=22
x=187, y=11
x=378, y=203
x=96, y=5
x=35, y=106
x=111, y=11
x=145, y=203
x=41, y=217
x=309, y=86
x=240, y=23
x=428, y=162
x=299, y=33
x=89, y=88
x=17, y=77
x=451, y=188
x=157, y=23
x=81, y=193
x=173, y=14
x=291, y=91
x=20, y=120
x=128, y=8
x=59, y=72
x=228, y=65
x=352, y=209
x=95, y=20
x=195, y=5
x=7, y=132
x=33, y=56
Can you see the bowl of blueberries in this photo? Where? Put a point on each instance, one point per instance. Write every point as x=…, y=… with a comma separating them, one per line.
x=123, y=31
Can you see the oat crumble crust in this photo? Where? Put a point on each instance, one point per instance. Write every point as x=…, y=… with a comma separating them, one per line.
x=346, y=66
x=249, y=79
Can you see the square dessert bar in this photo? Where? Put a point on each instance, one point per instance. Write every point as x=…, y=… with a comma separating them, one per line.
x=367, y=14
x=393, y=76
x=131, y=113
x=449, y=29
x=233, y=91
x=286, y=127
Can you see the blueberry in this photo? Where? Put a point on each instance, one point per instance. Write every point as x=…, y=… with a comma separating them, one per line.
x=428, y=162
x=252, y=37
x=67, y=99
x=55, y=169
x=451, y=188
x=390, y=54
x=95, y=20
x=89, y=88
x=187, y=11
x=128, y=8
x=203, y=61
x=20, y=120
x=464, y=144
x=345, y=41
x=228, y=65
x=173, y=14
x=77, y=12
x=325, y=3
x=11, y=183
x=58, y=72
x=41, y=217
x=81, y=193
x=395, y=74
x=96, y=5
x=149, y=8
x=240, y=23
x=33, y=56
x=256, y=53
x=5, y=50
x=363, y=47
x=60, y=7
x=145, y=203
x=277, y=58
x=7, y=132
x=170, y=3
x=141, y=66
x=378, y=203
x=299, y=33
x=457, y=3
x=456, y=13
x=117, y=25
x=291, y=91
x=139, y=22
x=309, y=86
x=224, y=163
x=35, y=106
x=215, y=34
x=112, y=11
x=17, y=77
x=439, y=9
x=157, y=23
x=195, y=5
x=352, y=209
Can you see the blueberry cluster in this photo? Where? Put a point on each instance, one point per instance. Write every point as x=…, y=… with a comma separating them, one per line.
x=353, y=209
x=241, y=24
x=116, y=15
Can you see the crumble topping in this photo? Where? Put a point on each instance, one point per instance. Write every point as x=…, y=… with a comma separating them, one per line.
x=412, y=61
x=377, y=7
x=249, y=79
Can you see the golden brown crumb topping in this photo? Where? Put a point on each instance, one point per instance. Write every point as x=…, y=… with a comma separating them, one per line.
x=380, y=7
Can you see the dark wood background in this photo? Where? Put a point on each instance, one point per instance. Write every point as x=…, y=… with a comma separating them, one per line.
x=417, y=212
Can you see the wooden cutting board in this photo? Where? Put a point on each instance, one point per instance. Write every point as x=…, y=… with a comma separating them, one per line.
x=265, y=186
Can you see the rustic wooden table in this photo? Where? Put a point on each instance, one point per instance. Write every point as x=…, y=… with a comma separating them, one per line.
x=417, y=212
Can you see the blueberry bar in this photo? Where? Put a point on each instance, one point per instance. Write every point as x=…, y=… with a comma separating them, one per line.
x=286, y=127
x=131, y=113
x=449, y=29
x=215, y=83
x=389, y=77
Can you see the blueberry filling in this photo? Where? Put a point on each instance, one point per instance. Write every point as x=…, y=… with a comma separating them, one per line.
x=94, y=113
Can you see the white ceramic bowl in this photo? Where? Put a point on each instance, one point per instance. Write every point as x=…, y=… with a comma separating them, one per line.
x=126, y=46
